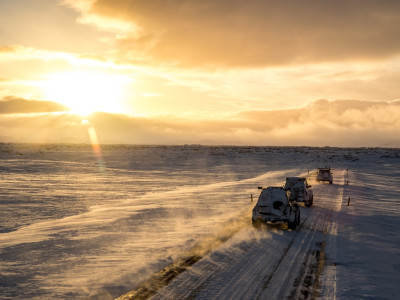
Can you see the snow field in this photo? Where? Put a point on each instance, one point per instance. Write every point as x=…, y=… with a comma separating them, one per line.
x=367, y=254
x=70, y=230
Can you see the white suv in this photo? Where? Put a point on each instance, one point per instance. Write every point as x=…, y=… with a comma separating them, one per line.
x=275, y=205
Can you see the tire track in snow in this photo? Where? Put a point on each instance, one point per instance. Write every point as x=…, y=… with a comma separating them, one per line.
x=308, y=283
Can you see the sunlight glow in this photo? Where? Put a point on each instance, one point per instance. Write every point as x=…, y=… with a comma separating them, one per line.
x=96, y=148
x=86, y=92
x=95, y=144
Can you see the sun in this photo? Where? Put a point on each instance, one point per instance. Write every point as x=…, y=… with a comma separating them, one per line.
x=86, y=92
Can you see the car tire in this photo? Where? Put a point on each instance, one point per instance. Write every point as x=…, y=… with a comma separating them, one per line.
x=297, y=219
x=256, y=223
x=292, y=225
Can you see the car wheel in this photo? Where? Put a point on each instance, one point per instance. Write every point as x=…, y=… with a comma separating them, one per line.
x=298, y=217
x=256, y=224
x=292, y=225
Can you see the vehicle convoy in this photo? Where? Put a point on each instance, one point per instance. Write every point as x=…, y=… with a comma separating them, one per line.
x=325, y=174
x=276, y=205
x=300, y=190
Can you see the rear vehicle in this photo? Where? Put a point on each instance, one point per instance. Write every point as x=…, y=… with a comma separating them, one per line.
x=324, y=174
x=276, y=205
x=300, y=189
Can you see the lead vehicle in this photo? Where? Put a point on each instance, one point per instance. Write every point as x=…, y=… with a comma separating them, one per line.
x=324, y=174
x=276, y=205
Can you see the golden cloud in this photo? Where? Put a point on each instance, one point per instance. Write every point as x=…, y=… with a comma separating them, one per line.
x=332, y=123
x=14, y=105
x=253, y=33
x=22, y=53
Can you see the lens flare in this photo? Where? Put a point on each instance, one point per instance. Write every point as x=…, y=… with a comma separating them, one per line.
x=95, y=145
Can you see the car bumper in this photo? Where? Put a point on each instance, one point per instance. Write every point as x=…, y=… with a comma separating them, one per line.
x=272, y=218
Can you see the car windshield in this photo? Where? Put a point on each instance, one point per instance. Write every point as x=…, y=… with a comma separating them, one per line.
x=293, y=181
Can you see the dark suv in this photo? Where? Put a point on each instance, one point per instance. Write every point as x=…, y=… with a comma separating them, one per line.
x=325, y=174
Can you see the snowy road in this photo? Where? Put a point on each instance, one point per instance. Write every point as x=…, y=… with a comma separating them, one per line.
x=273, y=262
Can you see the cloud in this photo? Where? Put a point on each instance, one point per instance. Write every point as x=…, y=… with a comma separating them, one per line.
x=348, y=123
x=13, y=105
x=22, y=53
x=333, y=123
x=253, y=33
x=18, y=52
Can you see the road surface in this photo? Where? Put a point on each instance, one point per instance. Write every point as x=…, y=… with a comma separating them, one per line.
x=270, y=263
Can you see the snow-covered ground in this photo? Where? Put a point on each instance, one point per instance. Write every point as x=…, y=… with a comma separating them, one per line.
x=364, y=247
x=74, y=225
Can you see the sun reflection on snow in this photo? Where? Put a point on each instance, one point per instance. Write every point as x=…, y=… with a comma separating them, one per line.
x=95, y=145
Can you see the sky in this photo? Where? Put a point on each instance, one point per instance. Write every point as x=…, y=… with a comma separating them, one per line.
x=258, y=72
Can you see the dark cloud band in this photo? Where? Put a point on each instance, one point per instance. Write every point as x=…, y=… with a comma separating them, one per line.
x=13, y=105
